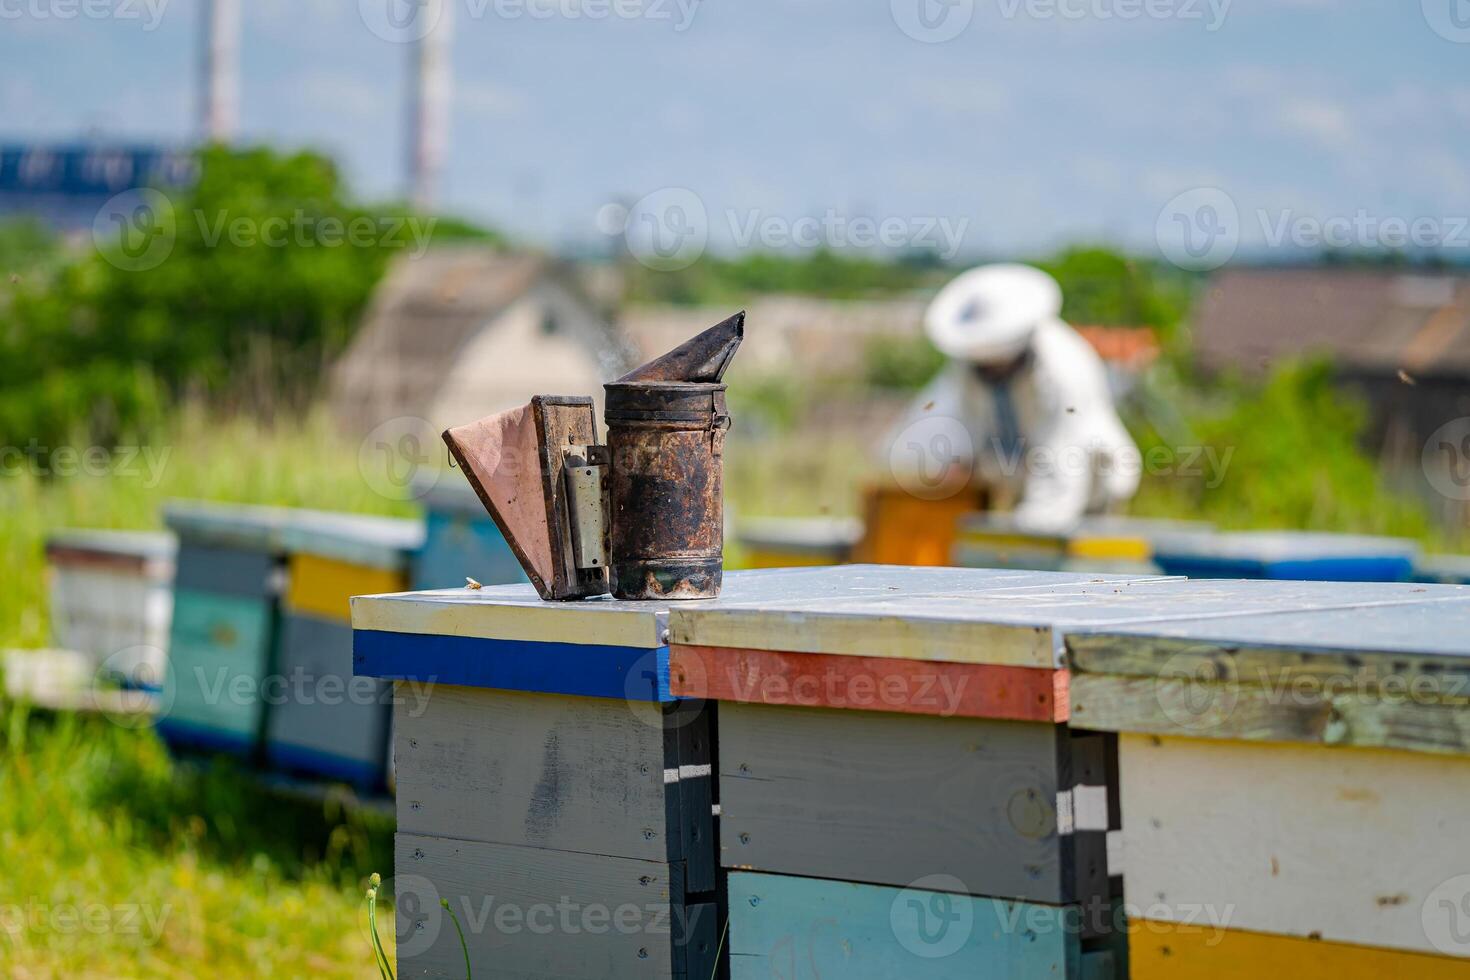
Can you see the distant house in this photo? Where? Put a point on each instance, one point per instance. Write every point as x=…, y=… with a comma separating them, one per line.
x=821, y=336
x=65, y=185
x=783, y=332
x=1400, y=338
x=464, y=331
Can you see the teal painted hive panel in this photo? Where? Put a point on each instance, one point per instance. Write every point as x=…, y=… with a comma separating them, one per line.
x=219, y=652
x=806, y=929
x=459, y=546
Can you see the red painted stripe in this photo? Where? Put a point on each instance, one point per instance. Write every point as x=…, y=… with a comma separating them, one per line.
x=826, y=680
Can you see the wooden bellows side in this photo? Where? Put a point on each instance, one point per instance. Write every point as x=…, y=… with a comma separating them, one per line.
x=516, y=461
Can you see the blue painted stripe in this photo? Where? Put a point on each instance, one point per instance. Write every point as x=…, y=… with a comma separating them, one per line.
x=184, y=734
x=365, y=775
x=588, y=670
x=1374, y=569
x=1333, y=569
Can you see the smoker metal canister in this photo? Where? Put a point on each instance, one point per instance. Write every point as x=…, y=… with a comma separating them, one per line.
x=666, y=502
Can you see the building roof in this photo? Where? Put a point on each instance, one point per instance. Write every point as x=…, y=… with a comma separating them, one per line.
x=795, y=330
x=425, y=315
x=1374, y=320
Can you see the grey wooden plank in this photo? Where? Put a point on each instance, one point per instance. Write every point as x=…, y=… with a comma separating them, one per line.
x=144, y=545
x=697, y=930
x=1102, y=525
x=223, y=570
x=359, y=539
x=889, y=799
x=799, y=535
x=1082, y=763
x=324, y=719
x=690, y=721
x=1247, y=712
x=233, y=525
x=543, y=770
x=530, y=913
x=1386, y=675
x=1273, y=546
x=1008, y=625
x=1427, y=635
x=515, y=612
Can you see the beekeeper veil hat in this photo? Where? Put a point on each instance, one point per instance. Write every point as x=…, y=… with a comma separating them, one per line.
x=988, y=314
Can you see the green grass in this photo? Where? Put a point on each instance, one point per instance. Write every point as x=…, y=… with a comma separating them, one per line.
x=97, y=821
x=120, y=863
x=303, y=464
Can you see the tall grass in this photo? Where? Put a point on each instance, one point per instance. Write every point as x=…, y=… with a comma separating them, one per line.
x=118, y=862
x=298, y=464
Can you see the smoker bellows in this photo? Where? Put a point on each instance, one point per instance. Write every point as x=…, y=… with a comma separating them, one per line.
x=641, y=516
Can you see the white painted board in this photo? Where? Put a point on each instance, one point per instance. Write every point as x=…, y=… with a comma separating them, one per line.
x=1346, y=845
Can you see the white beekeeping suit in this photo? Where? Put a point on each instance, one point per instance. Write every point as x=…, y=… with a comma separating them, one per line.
x=1022, y=407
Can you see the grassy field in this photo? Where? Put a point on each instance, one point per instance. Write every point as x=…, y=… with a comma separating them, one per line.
x=120, y=863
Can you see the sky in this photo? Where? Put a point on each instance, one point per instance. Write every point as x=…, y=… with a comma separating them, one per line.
x=970, y=126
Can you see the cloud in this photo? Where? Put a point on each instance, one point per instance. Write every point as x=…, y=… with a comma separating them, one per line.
x=488, y=100
x=1324, y=122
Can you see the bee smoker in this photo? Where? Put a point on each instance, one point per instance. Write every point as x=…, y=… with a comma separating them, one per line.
x=641, y=516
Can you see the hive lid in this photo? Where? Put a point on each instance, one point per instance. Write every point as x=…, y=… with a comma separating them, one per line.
x=513, y=612
x=1023, y=624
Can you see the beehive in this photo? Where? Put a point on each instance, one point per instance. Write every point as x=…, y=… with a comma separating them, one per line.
x=1294, y=785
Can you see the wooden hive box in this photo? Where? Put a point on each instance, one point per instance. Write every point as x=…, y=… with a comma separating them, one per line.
x=1294, y=785
x=321, y=719
x=111, y=598
x=1116, y=545
x=907, y=730
x=792, y=542
x=543, y=736
x=1289, y=555
x=542, y=764
x=460, y=541
x=229, y=575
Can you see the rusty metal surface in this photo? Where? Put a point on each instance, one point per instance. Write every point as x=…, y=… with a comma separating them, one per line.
x=701, y=358
x=666, y=442
x=661, y=532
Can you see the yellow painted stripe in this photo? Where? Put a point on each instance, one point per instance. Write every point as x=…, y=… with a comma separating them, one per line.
x=1167, y=951
x=323, y=586
x=1135, y=549
x=1040, y=543
x=774, y=558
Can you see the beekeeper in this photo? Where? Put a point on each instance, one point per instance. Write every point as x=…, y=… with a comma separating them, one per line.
x=1023, y=407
